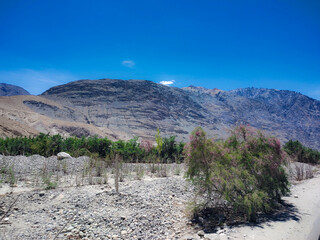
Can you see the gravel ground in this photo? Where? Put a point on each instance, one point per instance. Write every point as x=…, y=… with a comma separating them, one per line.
x=151, y=208
x=147, y=209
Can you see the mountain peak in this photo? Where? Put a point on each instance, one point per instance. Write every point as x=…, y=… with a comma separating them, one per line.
x=202, y=90
x=12, y=90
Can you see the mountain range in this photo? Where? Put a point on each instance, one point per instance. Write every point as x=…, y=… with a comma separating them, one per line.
x=122, y=109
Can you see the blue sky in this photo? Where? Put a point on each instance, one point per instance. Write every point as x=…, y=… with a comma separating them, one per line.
x=214, y=44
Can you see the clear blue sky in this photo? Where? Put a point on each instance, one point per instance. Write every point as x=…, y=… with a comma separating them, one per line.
x=213, y=43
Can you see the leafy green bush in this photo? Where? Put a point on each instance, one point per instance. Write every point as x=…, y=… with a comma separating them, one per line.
x=301, y=153
x=245, y=171
x=172, y=150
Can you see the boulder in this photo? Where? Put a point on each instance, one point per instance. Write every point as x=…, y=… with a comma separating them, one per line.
x=63, y=155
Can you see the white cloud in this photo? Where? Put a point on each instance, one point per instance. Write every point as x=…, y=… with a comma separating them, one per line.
x=167, y=83
x=36, y=81
x=128, y=63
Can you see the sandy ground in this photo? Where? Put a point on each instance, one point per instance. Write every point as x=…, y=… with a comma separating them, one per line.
x=302, y=221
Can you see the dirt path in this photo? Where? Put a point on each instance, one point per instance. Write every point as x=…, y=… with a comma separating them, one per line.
x=301, y=222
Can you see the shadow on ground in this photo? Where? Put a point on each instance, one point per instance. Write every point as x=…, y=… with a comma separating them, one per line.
x=213, y=219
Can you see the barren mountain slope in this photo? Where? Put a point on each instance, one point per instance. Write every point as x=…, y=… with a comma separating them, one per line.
x=11, y=128
x=137, y=107
x=288, y=114
x=284, y=114
x=11, y=90
x=17, y=119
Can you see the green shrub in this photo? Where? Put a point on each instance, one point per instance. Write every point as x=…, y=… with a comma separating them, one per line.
x=245, y=171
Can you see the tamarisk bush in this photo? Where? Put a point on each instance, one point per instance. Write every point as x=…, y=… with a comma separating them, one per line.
x=245, y=172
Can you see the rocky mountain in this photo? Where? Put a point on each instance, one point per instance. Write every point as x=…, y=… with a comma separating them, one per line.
x=136, y=107
x=202, y=90
x=11, y=90
x=127, y=108
x=18, y=119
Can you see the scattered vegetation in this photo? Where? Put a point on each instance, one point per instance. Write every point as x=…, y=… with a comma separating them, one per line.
x=243, y=174
x=139, y=172
x=177, y=170
x=7, y=174
x=49, y=184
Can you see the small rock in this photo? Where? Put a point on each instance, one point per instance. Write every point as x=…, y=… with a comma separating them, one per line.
x=190, y=238
x=201, y=233
x=123, y=232
x=60, y=197
x=221, y=231
x=63, y=155
x=69, y=229
x=295, y=196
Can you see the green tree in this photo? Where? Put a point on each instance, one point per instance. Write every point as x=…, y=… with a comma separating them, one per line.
x=168, y=149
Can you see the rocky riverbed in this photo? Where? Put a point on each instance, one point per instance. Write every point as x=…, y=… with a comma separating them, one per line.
x=147, y=206
x=143, y=209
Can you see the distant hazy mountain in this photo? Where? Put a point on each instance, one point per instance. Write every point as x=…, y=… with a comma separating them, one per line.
x=11, y=90
x=123, y=109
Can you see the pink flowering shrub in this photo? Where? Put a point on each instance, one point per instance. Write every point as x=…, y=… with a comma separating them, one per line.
x=246, y=170
x=146, y=145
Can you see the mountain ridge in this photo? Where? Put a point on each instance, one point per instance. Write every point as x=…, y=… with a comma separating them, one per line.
x=128, y=108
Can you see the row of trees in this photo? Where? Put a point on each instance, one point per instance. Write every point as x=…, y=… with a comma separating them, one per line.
x=301, y=153
x=131, y=151
x=167, y=149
